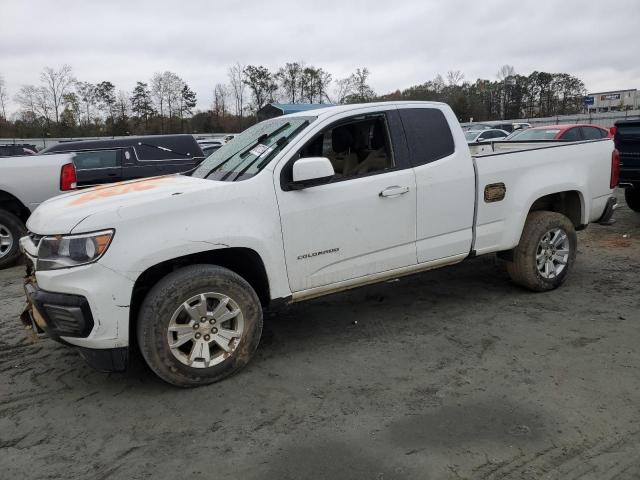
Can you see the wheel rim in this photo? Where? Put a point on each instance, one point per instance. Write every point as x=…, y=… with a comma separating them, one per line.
x=6, y=240
x=205, y=330
x=552, y=254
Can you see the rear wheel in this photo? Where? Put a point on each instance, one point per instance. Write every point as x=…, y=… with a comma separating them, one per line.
x=199, y=325
x=632, y=196
x=546, y=252
x=11, y=229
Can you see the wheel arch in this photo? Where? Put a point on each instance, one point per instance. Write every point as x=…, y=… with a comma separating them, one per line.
x=569, y=203
x=13, y=205
x=244, y=261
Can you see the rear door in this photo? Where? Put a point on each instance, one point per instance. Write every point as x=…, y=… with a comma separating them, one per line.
x=445, y=182
x=97, y=167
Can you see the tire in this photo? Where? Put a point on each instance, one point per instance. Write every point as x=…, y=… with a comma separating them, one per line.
x=632, y=197
x=168, y=312
x=536, y=245
x=11, y=229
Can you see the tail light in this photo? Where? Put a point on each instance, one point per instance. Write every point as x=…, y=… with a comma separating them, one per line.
x=68, y=179
x=612, y=131
x=615, y=168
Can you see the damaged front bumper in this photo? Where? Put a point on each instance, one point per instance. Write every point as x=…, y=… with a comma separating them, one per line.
x=66, y=318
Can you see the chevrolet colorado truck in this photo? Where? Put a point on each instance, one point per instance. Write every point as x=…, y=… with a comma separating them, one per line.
x=294, y=208
x=25, y=182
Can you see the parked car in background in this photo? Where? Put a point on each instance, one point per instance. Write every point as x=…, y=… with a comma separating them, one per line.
x=488, y=135
x=627, y=141
x=209, y=146
x=500, y=125
x=567, y=133
x=297, y=207
x=127, y=158
x=26, y=182
x=16, y=149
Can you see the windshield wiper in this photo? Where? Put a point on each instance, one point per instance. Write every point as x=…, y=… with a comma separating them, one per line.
x=217, y=167
x=275, y=147
x=165, y=149
x=248, y=150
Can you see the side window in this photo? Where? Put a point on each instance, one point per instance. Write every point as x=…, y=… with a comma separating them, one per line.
x=355, y=148
x=592, y=133
x=428, y=134
x=97, y=159
x=571, y=135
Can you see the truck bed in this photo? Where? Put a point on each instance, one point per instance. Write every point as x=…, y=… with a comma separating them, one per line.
x=532, y=170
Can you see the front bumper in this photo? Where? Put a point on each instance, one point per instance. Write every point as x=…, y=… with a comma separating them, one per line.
x=63, y=316
x=86, y=307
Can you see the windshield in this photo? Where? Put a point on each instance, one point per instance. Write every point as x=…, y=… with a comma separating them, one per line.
x=250, y=151
x=535, y=134
x=470, y=135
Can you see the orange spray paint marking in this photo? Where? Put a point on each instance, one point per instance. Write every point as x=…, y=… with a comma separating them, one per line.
x=117, y=189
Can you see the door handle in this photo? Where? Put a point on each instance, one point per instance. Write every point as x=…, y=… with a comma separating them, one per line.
x=394, y=191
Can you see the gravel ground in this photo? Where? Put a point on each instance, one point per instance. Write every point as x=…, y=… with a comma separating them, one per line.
x=454, y=373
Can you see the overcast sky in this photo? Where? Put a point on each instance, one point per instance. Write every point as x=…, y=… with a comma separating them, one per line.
x=403, y=43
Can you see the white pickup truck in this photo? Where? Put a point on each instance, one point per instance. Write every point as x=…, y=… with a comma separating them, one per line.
x=294, y=208
x=25, y=182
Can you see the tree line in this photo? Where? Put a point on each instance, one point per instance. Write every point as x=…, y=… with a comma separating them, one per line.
x=60, y=105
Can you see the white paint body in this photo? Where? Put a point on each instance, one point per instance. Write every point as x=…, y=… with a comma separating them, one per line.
x=369, y=237
x=32, y=179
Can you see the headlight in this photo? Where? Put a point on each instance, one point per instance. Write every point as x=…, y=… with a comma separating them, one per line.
x=64, y=251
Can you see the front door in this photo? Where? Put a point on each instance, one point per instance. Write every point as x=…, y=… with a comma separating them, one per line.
x=360, y=223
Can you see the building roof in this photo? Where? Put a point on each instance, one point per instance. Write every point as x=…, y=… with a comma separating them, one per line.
x=613, y=91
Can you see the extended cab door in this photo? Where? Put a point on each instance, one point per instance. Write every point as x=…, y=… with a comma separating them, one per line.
x=361, y=222
x=445, y=180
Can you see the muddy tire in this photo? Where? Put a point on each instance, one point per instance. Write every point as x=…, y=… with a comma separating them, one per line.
x=546, y=252
x=632, y=197
x=11, y=229
x=199, y=325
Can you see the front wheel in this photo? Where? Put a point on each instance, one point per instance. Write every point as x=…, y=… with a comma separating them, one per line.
x=11, y=229
x=199, y=325
x=546, y=252
x=632, y=197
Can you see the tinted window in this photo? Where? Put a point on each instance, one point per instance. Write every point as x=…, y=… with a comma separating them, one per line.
x=97, y=159
x=571, y=135
x=428, y=134
x=592, y=133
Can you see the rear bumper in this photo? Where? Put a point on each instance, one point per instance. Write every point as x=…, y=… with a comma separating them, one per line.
x=609, y=210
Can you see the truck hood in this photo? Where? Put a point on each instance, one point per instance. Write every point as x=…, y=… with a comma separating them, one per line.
x=62, y=214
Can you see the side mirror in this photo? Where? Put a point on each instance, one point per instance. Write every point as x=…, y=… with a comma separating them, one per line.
x=480, y=139
x=308, y=172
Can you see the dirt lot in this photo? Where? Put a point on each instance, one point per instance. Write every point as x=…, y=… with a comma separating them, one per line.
x=454, y=373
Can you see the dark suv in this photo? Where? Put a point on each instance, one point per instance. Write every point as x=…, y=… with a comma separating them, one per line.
x=627, y=140
x=128, y=158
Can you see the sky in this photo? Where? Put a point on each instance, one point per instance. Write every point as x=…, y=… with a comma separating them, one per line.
x=401, y=42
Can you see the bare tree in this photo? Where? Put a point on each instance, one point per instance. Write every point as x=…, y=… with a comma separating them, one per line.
x=33, y=103
x=158, y=93
x=454, y=77
x=56, y=83
x=3, y=97
x=236, y=80
x=220, y=94
x=87, y=94
x=505, y=72
x=343, y=89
